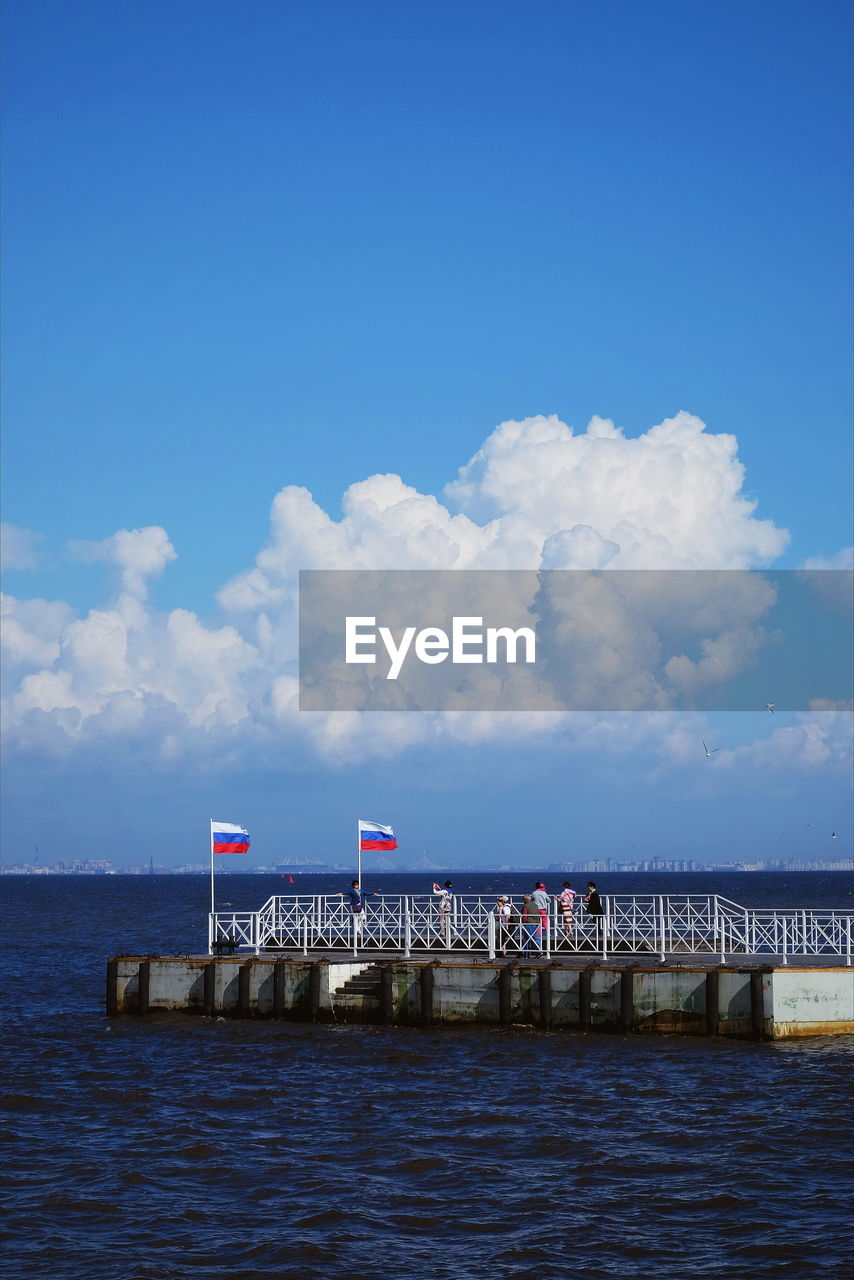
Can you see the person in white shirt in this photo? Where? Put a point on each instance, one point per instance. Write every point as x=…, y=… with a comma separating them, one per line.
x=503, y=909
x=444, y=907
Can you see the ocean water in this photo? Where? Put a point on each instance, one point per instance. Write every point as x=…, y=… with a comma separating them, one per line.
x=177, y=1147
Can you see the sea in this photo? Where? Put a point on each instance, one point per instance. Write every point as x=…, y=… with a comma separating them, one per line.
x=175, y=1146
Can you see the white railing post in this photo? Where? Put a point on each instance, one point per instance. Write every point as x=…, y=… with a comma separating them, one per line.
x=211, y=927
x=490, y=935
x=407, y=933
x=721, y=927
x=305, y=935
x=783, y=923
x=662, y=929
x=256, y=931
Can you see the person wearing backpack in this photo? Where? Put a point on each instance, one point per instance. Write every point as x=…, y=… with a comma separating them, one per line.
x=532, y=925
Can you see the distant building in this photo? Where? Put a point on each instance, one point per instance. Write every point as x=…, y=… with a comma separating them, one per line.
x=84, y=866
x=303, y=866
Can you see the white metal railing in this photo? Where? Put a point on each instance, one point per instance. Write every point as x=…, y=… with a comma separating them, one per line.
x=694, y=925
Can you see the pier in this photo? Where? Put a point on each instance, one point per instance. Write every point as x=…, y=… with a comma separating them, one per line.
x=691, y=965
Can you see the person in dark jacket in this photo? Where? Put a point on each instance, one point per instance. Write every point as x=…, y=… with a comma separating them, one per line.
x=358, y=900
x=593, y=907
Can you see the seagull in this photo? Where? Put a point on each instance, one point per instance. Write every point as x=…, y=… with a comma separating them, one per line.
x=709, y=753
x=833, y=835
x=769, y=706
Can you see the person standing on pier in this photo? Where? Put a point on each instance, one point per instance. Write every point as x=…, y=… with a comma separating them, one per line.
x=358, y=898
x=594, y=908
x=532, y=925
x=541, y=901
x=566, y=899
x=503, y=911
x=444, y=907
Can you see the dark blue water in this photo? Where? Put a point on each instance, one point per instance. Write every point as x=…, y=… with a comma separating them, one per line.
x=179, y=1147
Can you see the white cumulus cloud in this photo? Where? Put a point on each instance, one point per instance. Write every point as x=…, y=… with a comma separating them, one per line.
x=842, y=559
x=18, y=547
x=670, y=499
x=536, y=494
x=138, y=554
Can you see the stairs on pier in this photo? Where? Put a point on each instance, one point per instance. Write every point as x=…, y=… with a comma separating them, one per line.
x=361, y=991
x=363, y=986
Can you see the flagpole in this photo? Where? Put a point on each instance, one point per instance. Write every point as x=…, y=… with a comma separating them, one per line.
x=359, y=852
x=213, y=908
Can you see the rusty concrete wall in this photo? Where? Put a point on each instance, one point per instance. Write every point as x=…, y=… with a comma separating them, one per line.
x=779, y=1003
x=810, y=1002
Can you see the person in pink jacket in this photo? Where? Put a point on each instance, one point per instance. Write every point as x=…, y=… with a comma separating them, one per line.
x=541, y=901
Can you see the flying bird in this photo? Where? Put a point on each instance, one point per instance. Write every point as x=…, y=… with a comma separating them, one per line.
x=769, y=706
x=833, y=835
x=709, y=753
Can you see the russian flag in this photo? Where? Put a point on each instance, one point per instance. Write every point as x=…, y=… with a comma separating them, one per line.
x=373, y=835
x=227, y=838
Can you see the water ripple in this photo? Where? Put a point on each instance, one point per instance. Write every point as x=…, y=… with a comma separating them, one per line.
x=178, y=1149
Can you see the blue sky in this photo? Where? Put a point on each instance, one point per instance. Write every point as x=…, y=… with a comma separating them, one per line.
x=265, y=245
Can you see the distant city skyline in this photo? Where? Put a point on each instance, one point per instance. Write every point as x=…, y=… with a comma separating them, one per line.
x=99, y=867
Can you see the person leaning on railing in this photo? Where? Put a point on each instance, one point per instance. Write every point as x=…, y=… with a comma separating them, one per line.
x=358, y=900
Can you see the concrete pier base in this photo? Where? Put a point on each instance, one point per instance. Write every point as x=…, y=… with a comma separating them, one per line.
x=750, y=1002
